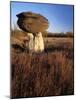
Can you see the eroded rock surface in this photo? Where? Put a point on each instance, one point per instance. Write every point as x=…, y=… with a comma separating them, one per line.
x=32, y=22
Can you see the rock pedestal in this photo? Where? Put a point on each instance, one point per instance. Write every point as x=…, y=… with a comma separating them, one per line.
x=34, y=24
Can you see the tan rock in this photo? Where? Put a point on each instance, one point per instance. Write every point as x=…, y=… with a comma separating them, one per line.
x=32, y=22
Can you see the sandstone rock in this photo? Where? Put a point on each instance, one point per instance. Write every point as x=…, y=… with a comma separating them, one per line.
x=32, y=22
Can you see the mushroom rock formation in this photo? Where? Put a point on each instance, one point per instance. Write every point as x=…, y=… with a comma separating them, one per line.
x=32, y=22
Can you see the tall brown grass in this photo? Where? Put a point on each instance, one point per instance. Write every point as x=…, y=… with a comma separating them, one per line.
x=43, y=74
x=50, y=73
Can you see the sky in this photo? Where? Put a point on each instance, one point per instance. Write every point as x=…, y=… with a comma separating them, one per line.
x=60, y=17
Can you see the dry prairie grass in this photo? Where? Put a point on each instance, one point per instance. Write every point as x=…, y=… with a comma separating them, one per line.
x=50, y=73
x=45, y=74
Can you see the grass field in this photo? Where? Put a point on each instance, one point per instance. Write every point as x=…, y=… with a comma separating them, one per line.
x=50, y=73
